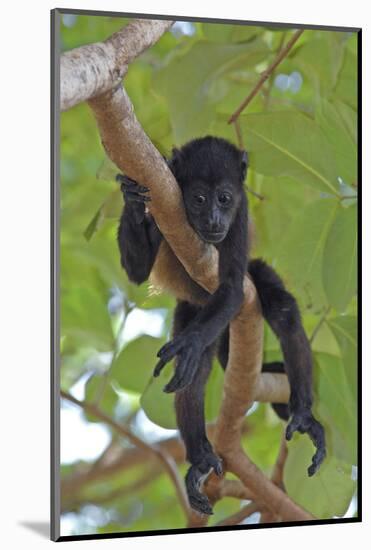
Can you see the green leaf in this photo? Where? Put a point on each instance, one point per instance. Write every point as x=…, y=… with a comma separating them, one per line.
x=336, y=129
x=345, y=332
x=111, y=208
x=94, y=224
x=336, y=407
x=158, y=405
x=282, y=195
x=85, y=317
x=133, y=367
x=300, y=253
x=191, y=110
x=325, y=495
x=99, y=391
x=224, y=32
x=346, y=87
x=340, y=258
x=107, y=170
x=288, y=143
x=320, y=60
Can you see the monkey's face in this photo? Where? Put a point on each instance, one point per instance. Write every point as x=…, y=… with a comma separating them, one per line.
x=211, y=209
x=210, y=172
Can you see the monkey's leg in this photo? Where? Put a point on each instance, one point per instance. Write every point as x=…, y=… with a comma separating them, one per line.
x=189, y=406
x=282, y=314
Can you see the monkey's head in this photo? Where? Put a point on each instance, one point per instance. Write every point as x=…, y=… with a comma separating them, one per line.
x=210, y=172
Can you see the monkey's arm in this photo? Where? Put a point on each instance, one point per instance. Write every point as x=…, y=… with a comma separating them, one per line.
x=215, y=316
x=138, y=235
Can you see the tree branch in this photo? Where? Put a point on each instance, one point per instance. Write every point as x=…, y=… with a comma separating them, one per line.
x=239, y=516
x=277, y=478
x=96, y=68
x=265, y=75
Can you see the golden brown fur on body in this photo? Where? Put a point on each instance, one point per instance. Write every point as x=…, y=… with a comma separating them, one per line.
x=169, y=275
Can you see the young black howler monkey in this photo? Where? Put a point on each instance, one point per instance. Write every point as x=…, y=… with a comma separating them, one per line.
x=210, y=172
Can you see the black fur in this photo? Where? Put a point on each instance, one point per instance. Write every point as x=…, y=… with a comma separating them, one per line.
x=210, y=172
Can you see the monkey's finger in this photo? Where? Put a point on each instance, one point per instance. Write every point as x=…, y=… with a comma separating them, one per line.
x=215, y=463
x=128, y=182
x=158, y=368
x=184, y=373
x=135, y=187
x=200, y=503
x=317, y=435
x=136, y=197
x=317, y=460
x=170, y=350
x=120, y=178
x=177, y=383
x=292, y=427
x=197, y=500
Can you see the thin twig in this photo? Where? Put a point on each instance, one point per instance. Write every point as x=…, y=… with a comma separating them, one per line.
x=239, y=516
x=271, y=80
x=119, y=492
x=277, y=474
x=167, y=461
x=345, y=197
x=257, y=195
x=237, y=127
x=265, y=75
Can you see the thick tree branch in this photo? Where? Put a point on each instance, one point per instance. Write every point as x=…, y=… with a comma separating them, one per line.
x=96, y=68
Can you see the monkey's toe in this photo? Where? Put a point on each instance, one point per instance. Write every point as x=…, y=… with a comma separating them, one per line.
x=195, y=478
x=304, y=422
x=197, y=500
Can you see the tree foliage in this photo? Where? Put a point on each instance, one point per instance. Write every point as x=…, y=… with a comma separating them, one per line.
x=300, y=131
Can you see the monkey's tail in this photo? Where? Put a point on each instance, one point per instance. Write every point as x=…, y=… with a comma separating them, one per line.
x=281, y=409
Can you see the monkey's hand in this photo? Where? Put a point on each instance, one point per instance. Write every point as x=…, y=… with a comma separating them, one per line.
x=189, y=349
x=133, y=194
x=195, y=478
x=304, y=422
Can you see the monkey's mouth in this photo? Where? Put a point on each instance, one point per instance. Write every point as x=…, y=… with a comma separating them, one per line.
x=212, y=237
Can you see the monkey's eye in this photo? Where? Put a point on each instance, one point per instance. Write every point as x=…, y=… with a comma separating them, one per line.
x=199, y=199
x=224, y=198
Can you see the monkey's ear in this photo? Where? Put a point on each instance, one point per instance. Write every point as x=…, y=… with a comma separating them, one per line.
x=244, y=164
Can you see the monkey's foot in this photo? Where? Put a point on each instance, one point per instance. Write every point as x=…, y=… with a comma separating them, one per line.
x=303, y=421
x=189, y=350
x=195, y=478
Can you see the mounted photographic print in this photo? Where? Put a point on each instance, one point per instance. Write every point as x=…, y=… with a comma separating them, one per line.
x=205, y=184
